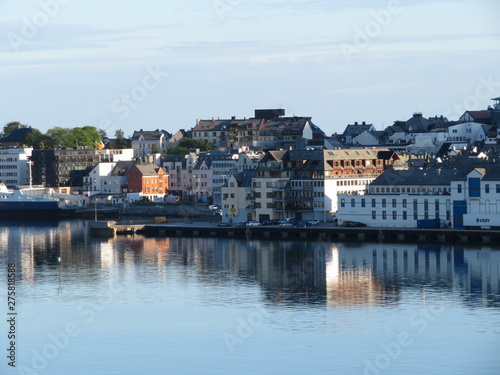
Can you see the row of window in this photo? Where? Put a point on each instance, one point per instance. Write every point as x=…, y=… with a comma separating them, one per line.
x=393, y=202
x=404, y=215
x=409, y=190
x=8, y=166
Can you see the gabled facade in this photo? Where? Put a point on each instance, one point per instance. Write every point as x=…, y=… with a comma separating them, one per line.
x=145, y=143
x=237, y=198
x=148, y=181
x=466, y=133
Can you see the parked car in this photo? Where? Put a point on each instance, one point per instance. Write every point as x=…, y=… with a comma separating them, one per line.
x=348, y=223
x=224, y=224
x=241, y=224
x=286, y=224
x=313, y=222
x=303, y=224
x=266, y=222
x=253, y=223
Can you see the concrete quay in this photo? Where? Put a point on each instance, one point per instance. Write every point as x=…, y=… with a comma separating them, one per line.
x=323, y=232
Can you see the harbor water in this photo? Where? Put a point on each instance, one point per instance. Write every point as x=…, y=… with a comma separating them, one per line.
x=137, y=305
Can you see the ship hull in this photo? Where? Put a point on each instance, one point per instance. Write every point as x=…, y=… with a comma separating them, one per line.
x=32, y=210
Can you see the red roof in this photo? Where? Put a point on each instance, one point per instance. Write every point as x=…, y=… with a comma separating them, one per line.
x=480, y=114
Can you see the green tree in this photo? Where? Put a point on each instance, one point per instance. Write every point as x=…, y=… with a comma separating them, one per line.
x=154, y=149
x=186, y=144
x=10, y=127
x=121, y=141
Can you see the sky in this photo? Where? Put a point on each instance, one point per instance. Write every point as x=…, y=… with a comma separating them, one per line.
x=131, y=65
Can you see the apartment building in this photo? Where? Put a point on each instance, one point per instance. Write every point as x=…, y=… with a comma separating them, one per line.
x=304, y=184
x=15, y=166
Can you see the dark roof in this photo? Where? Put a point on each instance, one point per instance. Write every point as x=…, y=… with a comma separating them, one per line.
x=150, y=135
x=456, y=169
x=17, y=136
x=244, y=178
x=416, y=124
x=356, y=129
x=122, y=167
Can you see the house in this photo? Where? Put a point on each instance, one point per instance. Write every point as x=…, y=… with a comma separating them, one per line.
x=237, y=197
x=354, y=130
x=146, y=181
x=145, y=143
x=107, y=179
x=467, y=133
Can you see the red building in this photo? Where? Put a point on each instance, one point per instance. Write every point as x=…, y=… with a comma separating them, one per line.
x=150, y=180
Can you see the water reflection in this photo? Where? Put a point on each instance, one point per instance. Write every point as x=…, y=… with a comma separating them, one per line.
x=286, y=273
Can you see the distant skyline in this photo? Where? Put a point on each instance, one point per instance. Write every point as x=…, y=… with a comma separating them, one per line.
x=163, y=65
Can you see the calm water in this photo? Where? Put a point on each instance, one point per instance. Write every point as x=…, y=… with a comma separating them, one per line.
x=214, y=306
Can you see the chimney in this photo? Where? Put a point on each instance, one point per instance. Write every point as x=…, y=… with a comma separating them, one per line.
x=364, y=123
x=356, y=123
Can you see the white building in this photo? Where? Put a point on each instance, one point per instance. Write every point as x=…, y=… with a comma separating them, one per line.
x=145, y=143
x=14, y=166
x=466, y=191
x=115, y=155
x=107, y=179
x=467, y=132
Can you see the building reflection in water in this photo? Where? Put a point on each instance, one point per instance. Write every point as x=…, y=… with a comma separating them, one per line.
x=309, y=273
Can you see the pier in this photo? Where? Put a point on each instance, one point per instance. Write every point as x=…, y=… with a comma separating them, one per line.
x=320, y=233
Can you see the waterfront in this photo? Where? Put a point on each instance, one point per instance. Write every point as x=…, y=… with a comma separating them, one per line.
x=230, y=306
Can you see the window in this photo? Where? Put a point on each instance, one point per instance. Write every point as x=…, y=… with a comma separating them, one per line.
x=474, y=187
x=498, y=188
x=374, y=203
x=342, y=202
x=487, y=188
x=363, y=202
x=393, y=203
x=383, y=202
x=374, y=215
x=459, y=188
x=384, y=215
x=404, y=203
x=405, y=215
x=353, y=202
x=394, y=215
